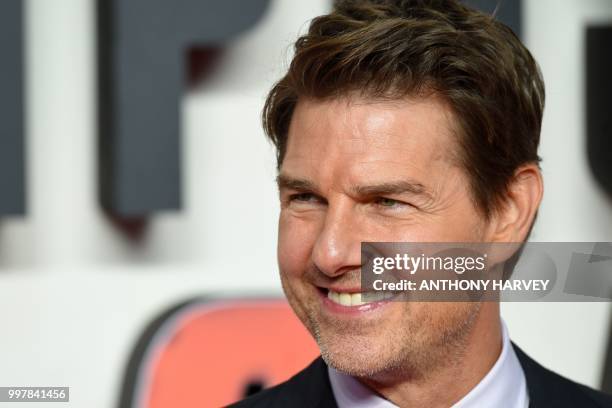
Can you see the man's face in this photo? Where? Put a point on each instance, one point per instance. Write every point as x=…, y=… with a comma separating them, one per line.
x=355, y=171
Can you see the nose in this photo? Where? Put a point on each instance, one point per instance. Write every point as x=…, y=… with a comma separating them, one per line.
x=337, y=249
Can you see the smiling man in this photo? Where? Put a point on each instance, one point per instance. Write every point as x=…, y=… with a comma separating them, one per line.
x=406, y=121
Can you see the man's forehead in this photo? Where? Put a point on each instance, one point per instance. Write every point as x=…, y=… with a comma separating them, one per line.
x=404, y=131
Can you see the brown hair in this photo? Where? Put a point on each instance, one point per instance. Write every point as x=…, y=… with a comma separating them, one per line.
x=394, y=49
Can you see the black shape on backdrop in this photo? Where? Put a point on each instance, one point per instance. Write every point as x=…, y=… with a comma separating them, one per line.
x=142, y=48
x=12, y=173
x=606, y=378
x=598, y=105
x=506, y=11
x=128, y=395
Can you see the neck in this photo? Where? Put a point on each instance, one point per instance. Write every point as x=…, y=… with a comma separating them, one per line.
x=456, y=375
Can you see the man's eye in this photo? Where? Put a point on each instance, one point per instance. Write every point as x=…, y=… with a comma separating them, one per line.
x=387, y=202
x=303, y=197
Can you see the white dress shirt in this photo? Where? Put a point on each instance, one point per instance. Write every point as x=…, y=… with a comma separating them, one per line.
x=504, y=386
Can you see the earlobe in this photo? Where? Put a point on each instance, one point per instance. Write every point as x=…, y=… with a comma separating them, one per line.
x=522, y=200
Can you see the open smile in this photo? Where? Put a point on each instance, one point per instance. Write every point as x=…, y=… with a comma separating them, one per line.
x=353, y=301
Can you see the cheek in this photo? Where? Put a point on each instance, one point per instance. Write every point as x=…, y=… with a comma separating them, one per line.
x=467, y=224
x=296, y=239
x=461, y=228
x=459, y=223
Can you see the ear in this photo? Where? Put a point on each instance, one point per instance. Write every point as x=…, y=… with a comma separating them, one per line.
x=514, y=220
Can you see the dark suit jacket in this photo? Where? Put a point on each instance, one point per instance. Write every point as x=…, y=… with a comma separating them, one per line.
x=311, y=388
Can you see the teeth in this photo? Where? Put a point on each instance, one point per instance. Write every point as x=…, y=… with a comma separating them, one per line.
x=345, y=299
x=334, y=296
x=357, y=299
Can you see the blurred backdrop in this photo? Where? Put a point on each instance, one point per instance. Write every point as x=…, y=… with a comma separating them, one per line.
x=76, y=292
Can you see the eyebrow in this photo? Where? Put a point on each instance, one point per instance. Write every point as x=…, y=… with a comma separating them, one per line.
x=387, y=188
x=392, y=188
x=291, y=183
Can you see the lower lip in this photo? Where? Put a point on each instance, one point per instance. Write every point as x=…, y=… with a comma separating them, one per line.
x=334, y=307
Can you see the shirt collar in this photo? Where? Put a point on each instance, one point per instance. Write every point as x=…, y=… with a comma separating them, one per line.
x=504, y=385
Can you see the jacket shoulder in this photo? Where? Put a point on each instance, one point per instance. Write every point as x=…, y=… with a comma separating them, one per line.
x=549, y=389
x=277, y=396
x=308, y=388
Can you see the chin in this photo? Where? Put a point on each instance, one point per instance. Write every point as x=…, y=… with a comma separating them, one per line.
x=359, y=356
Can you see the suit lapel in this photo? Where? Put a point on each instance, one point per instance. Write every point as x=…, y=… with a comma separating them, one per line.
x=544, y=387
x=313, y=385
